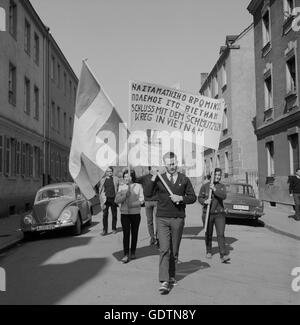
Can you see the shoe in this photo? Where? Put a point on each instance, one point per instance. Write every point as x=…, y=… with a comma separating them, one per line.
x=209, y=256
x=157, y=243
x=104, y=233
x=164, y=289
x=225, y=259
x=132, y=257
x=125, y=259
x=173, y=282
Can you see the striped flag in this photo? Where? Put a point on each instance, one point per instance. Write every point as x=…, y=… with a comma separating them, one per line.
x=96, y=126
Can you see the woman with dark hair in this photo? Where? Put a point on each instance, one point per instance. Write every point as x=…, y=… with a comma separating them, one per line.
x=131, y=198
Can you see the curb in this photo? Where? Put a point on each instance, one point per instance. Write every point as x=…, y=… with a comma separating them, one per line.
x=11, y=243
x=281, y=232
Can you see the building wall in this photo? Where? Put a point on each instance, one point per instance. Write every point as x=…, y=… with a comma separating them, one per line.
x=238, y=140
x=243, y=106
x=276, y=124
x=21, y=175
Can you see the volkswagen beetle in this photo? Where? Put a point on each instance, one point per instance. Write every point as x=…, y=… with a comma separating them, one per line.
x=57, y=206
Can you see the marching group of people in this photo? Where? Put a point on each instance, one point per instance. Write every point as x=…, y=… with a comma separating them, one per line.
x=165, y=198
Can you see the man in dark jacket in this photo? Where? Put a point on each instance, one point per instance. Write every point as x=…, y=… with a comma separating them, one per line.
x=216, y=214
x=150, y=205
x=295, y=192
x=170, y=217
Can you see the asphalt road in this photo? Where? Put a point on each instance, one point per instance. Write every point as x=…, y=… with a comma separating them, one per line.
x=60, y=269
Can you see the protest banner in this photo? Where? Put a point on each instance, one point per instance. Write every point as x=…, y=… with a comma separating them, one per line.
x=162, y=108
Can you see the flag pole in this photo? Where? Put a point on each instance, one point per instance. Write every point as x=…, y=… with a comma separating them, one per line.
x=210, y=190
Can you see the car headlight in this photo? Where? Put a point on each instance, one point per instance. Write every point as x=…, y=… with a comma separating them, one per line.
x=65, y=216
x=28, y=220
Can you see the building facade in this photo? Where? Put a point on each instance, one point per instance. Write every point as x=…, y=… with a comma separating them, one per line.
x=36, y=107
x=277, y=66
x=233, y=79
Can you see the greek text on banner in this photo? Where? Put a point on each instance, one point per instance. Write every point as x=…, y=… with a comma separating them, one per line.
x=165, y=109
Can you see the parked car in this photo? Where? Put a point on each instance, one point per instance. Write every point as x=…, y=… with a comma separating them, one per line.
x=242, y=203
x=57, y=206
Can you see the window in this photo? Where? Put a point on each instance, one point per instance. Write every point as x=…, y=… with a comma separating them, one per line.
x=36, y=102
x=23, y=159
x=7, y=157
x=27, y=34
x=291, y=75
x=13, y=19
x=58, y=119
x=226, y=163
x=225, y=120
x=2, y=20
x=13, y=148
x=29, y=160
x=52, y=65
x=36, y=49
x=294, y=153
x=218, y=161
x=37, y=162
x=289, y=6
x=1, y=154
x=12, y=84
x=224, y=75
x=58, y=75
x=65, y=125
x=70, y=90
x=53, y=123
x=268, y=93
x=270, y=158
x=65, y=83
x=266, y=28
x=18, y=158
x=75, y=96
x=27, y=96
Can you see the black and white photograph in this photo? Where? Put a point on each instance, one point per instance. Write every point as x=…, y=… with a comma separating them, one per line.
x=149, y=155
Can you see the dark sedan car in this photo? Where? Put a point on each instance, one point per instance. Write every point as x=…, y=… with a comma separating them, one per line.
x=242, y=203
x=57, y=206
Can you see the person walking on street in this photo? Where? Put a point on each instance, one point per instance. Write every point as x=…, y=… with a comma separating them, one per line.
x=216, y=214
x=150, y=206
x=131, y=198
x=170, y=217
x=295, y=192
x=108, y=188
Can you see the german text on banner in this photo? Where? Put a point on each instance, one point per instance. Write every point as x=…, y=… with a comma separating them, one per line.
x=95, y=125
x=165, y=109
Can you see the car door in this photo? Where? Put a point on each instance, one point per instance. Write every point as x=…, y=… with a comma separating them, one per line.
x=82, y=204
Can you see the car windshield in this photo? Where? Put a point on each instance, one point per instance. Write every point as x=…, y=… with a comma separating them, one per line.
x=241, y=189
x=54, y=193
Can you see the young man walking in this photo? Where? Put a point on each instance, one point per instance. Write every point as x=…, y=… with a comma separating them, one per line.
x=216, y=214
x=150, y=205
x=109, y=186
x=170, y=217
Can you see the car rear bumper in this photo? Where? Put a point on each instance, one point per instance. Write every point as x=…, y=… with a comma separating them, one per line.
x=243, y=214
x=52, y=227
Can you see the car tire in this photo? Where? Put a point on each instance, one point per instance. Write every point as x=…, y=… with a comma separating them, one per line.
x=29, y=236
x=77, y=228
x=89, y=223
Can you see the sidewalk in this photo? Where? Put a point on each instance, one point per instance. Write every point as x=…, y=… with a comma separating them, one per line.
x=10, y=233
x=275, y=219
